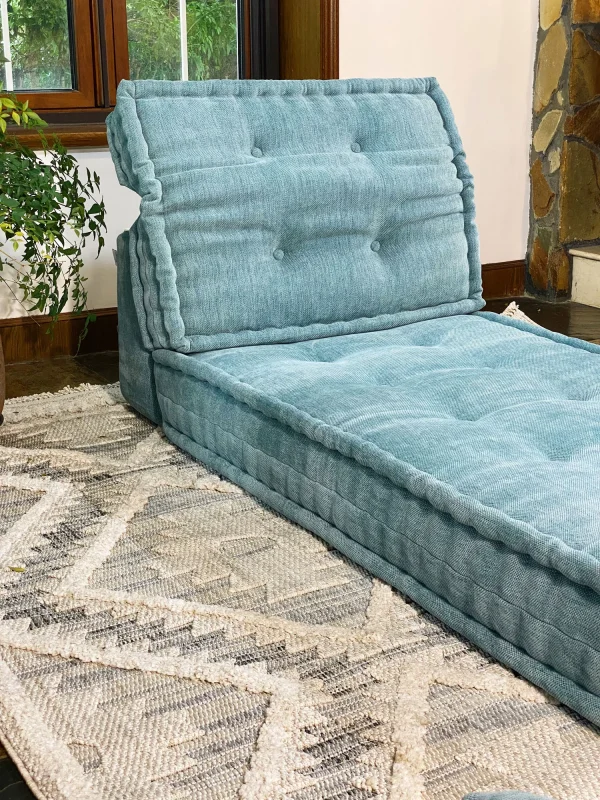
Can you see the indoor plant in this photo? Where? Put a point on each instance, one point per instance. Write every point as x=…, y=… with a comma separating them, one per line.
x=49, y=209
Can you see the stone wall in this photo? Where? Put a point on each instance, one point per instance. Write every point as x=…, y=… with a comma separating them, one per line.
x=565, y=151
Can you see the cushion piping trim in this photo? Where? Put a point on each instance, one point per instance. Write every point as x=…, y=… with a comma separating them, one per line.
x=558, y=685
x=467, y=194
x=245, y=444
x=150, y=89
x=327, y=330
x=544, y=548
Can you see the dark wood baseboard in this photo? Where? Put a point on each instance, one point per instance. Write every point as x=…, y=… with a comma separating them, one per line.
x=25, y=338
x=504, y=279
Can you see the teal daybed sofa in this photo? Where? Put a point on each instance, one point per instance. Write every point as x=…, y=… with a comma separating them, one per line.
x=299, y=308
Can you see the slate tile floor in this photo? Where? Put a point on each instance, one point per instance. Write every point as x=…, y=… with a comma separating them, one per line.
x=12, y=785
x=572, y=319
x=33, y=377
x=100, y=368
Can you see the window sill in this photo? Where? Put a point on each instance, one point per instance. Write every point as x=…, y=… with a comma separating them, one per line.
x=85, y=134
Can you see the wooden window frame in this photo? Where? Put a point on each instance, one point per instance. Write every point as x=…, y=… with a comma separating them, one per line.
x=82, y=47
x=101, y=60
x=276, y=38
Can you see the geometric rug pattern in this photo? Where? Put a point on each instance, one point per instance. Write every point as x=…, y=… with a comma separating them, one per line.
x=164, y=635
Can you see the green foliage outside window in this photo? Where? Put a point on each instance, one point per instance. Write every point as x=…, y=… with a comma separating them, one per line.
x=154, y=44
x=39, y=42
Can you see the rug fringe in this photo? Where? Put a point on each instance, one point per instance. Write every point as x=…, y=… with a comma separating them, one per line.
x=512, y=311
x=68, y=400
x=83, y=387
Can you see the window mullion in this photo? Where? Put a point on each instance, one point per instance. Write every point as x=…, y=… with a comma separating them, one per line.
x=8, y=73
x=102, y=19
x=183, y=39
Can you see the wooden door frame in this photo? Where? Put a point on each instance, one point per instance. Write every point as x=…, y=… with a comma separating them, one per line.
x=309, y=39
x=330, y=39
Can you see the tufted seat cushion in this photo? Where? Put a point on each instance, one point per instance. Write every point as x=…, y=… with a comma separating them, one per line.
x=276, y=211
x=457, y=458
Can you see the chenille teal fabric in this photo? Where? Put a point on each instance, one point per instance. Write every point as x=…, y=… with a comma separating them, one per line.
x=136, y=369
x=463, y=452
x=505, y=796
x=275, y=211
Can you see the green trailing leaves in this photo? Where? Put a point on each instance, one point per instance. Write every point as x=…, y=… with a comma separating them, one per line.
x=49, y=211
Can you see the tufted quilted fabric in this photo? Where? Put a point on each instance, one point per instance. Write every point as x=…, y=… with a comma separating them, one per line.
x=505, y=796
x=277, y=211
x=462, y=451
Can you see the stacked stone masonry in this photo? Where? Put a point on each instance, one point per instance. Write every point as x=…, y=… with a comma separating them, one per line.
x=565, y=152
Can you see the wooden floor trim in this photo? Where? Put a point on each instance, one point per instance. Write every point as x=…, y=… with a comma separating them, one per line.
x=26, y=339
x=503, y=279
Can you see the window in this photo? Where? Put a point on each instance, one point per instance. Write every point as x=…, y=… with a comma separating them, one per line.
x=46, y=60
x=67, y=56
x=37, y=46
x=179, y=40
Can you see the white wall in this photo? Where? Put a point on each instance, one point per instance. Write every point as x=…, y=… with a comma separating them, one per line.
x=482, y=52
x=122, y=206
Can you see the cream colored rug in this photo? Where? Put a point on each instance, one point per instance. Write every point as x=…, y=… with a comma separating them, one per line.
x=164, y=636
x=514, y=312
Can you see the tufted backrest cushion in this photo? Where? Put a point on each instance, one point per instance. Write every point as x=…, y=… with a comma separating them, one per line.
x=278, y=211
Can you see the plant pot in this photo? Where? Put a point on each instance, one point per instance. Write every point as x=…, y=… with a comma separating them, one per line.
x=2, y=383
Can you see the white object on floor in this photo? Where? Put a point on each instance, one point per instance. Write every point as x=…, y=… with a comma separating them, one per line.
x=586, y=275
x=514, y=312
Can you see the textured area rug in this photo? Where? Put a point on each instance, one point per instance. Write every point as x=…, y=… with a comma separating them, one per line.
x=164, y=636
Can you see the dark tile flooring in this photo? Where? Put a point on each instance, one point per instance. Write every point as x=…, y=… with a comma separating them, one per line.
x=33, y=377
x=12, y=785
x=572, y=319
x=99, y=368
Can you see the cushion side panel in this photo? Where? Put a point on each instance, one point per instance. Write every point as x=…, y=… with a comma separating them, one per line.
x=492, y=523
x=135, y=170
x=566, y=690
x=484, y=579
x=467, y=194
x=136, y=366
